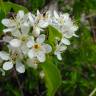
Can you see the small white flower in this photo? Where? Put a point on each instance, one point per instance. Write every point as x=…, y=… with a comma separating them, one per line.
x=38, y=23
x=68, y=30
x=19, y=39
x=10, y=60
x=13, y=25
x=64, y=24
x=59, y=49
x=38, y=48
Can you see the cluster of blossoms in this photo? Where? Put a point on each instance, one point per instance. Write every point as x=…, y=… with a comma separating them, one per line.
x=25, y=38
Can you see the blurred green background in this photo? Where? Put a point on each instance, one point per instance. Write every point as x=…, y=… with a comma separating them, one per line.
x=78, y=67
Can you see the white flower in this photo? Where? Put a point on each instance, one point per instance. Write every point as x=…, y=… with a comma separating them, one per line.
x=18, y=40
x=68, y=30
x=38, y=48
x=59, y=49
x=18, y=45
x=38, y=23
x=10, y=60
x=64, y=24
x=29, y=47
x=61, y=46
x=13, y=25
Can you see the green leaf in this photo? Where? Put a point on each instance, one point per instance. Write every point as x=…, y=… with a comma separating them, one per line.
x=52, y=77
x=7, y=6
x=2, y=15
x=53, y=33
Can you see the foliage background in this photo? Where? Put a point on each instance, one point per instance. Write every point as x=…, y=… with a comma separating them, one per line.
x=78, y=67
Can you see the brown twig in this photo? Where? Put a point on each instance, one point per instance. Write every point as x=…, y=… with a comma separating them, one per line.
x=19, y=84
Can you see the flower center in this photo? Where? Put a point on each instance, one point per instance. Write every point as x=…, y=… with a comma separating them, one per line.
x=14, y=56
x=37, y=46
x=23, y=38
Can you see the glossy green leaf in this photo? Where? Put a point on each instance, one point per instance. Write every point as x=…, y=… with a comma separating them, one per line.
x=52, y=77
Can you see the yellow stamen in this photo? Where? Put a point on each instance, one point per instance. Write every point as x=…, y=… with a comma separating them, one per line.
x=37, y=46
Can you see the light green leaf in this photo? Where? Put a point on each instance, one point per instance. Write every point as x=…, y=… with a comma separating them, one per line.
x=7, y=6
x=52, y=77
x=53, y=33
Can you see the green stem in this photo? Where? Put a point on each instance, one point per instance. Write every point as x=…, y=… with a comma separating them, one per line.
x=93, y=92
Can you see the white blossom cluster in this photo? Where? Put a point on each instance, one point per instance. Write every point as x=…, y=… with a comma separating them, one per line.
x=25, y=38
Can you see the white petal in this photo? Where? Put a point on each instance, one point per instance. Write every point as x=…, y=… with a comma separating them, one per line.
x=66, y=17
x=40, y=39
x=7, y=38
x=15, y=43
x=30, y=43
x=4, y=55
x=75, y=35
x=31, y=18
x=38, y=13
x=41, y=56
x=58, y=56
x=2, y=72
x=47, y=47
x=31, y=54
x=7, y=65
x=43, y=24
x=36, y=31
x=65, y=41
x=8, y=30
x=20, y=67
x=25, y=29
x=16, y=32
x=68, y=35
x=32, y=63
x=62, y=48
x=8, y=22
x=74, y=28
x=20, y=14
x=56, y=15
x=24, y=49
